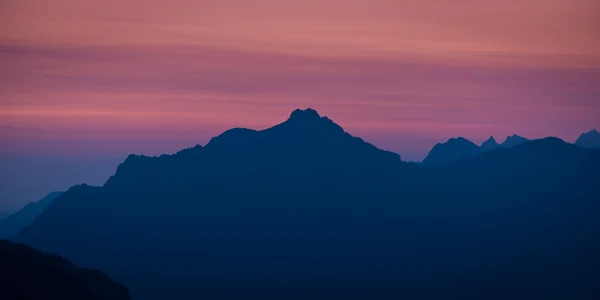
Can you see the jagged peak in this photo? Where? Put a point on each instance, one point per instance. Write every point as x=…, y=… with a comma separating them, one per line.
x=513, y=140
x=194, y=148
x=304, y=114
x=589, y=139
x=490, y=143
x=308, y=119
x=457, y=140
x=491, y=140
x=453, y=142
x=514, y=136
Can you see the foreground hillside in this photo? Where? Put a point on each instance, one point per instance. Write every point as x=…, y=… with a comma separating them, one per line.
x=26, y=273
x=304, y=210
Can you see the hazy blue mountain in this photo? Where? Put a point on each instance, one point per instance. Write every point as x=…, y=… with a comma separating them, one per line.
x=12, y=224
x=513, y=140
x=26, y=273
x=490, y=144
x=589, y=140
x=459, y=148
x=4, y=214
x=303, y=210
x=452, y=150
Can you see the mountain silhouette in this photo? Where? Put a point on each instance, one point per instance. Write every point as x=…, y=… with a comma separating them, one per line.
x=26, y=273
x=305, y=210
x=459, y=148
x=490, y=144
x=452, y=150
x=589, y=140
x=12, y=224
x=513, y=140
x=304, y=138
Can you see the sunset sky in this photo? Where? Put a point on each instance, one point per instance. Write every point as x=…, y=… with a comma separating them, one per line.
x=98, y=79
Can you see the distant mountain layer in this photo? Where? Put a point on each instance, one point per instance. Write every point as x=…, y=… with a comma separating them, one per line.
x=304, y=210
x=459, y=148
x=589, y=140
x=490, y=144
x=4, y=214
x=456, y=149
x=14, y=223
x=26, y=273
x=513, y=140
x=451, y=151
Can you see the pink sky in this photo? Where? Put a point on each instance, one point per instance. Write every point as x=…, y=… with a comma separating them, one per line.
x=81, y=77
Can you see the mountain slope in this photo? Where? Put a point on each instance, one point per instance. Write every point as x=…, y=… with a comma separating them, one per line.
x=304, y=210
x=589, y=140
x=12, y=224
x=26, y=273
x=451, y=151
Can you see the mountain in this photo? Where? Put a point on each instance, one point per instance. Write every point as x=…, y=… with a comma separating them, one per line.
x=459, y=148
x=452, y=150
x=589, y=140
x=26, y=273
x=513, y=140
x=303, y=210
x=489, y=144
x=4, y=214
x=12, y=224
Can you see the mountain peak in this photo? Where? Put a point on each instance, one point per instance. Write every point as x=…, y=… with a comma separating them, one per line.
x=514, y=136
x=304, y=115
x=457, y=141
x=452, y=150
x=513, y=140
x=490, y=144
x=589, y=140
x=491, y=140
x=308, y=121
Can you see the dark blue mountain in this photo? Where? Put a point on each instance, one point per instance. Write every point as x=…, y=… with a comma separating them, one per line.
x=14, y=223
x=513, y=140
x=453, y=150
x=589, y=140
x=490, y=144
x=4, y=214
x=459, y=148
x=303, y=210
x=26, y=273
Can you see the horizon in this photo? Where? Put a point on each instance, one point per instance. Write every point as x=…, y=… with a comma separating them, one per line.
x=87, y=83
x=93, y=169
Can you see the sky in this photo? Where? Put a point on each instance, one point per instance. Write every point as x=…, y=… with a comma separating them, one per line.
x=85, y=82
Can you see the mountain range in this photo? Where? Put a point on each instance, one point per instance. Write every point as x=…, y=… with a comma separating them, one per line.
x=15, y=222
x=305, y=210
x=459, y=148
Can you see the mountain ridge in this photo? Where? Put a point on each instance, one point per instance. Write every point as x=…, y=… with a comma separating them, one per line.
x=15, y=222
x=589, y=139
x=280, y=212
